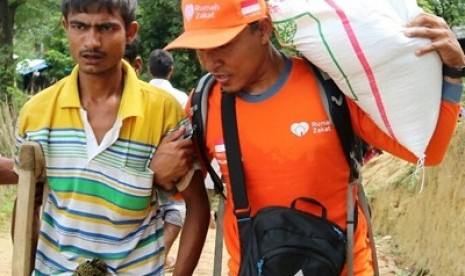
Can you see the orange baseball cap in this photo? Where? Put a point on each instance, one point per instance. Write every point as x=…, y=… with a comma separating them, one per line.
x=213, y=23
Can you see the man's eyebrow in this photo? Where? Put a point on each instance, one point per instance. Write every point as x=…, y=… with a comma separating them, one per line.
x=77, y=22
x=108, y=23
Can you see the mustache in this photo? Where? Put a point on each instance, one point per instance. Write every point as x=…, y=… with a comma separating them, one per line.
x=93, y=53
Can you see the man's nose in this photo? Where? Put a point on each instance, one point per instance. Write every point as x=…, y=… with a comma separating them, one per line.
x=210, y=58
x=93, y=39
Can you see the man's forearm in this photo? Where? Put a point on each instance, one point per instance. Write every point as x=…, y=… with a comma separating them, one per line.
x=7, y=174
x=195, y=227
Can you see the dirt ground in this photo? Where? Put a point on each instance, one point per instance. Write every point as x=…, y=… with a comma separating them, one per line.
x=427, y=226
x=205, y=266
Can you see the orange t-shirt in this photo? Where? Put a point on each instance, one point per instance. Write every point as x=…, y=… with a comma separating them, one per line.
x=290, y=149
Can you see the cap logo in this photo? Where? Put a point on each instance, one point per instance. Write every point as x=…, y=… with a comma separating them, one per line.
x=250, y=7
x=188, y=12
x=199, y=12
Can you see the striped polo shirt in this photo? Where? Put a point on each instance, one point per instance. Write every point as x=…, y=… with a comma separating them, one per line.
x=102, y=204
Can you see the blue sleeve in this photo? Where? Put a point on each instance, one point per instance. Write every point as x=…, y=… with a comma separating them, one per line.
x=451, y=92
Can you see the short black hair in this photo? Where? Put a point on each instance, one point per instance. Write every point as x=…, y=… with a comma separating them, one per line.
x=127, y=8
x=160, y=63
x=131, y=51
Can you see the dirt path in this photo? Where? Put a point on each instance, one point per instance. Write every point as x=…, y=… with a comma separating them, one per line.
x=6, y=253
x=205, y=267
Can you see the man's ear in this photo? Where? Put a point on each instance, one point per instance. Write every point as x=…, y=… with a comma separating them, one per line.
x=170, y=74
x=266, y=28
x=64, y=23
x=131, y=32
x=138, y=65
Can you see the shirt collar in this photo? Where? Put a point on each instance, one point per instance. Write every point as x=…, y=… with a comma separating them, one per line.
x=131, y=102
x=161, y=83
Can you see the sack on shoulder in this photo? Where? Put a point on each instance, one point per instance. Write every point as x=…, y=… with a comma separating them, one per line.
x=287, y=241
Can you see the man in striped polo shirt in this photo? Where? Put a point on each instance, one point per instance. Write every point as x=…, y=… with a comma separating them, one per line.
x=100, y=129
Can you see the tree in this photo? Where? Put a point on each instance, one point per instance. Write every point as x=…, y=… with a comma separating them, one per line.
x=7, y=19
x=23, y=25
x=161, y=22
x=35, y=21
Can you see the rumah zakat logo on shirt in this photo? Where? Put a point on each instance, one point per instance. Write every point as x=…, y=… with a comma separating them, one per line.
x=301, y=128
x=199, y=12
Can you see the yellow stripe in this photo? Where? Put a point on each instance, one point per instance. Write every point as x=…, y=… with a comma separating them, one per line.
x=103, y=203
x=49, y=244
x=139, y=264
x=55, y=248
x=94, y=220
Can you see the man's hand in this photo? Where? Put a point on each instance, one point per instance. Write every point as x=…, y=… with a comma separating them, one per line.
x=442, y=38
x=172, y=160
x=7, y=174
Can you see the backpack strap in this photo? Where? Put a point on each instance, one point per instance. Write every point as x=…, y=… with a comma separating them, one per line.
x=339, y=114
x=237, y=179
x=198, y=111
x=199, y=102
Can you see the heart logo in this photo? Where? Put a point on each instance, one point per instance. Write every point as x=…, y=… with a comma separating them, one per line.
x=299, y=129
x=188, y=12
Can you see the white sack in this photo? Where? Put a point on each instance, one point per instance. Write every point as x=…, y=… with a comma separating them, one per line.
x=362, y=46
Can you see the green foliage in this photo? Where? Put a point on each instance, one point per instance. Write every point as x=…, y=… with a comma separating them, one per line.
x=161, y=22
x=18, y=98
x=453, y=11
x=35, y=21
x=7, y=196
x=7, y=71
x=463, y=99
x=57, y=55
x=40, y=34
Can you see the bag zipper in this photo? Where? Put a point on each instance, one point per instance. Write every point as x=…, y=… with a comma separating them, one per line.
x=261, y=262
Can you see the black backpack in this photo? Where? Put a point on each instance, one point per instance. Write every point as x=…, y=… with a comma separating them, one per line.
x=281, y=240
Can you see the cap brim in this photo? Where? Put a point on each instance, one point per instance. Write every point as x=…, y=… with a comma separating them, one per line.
x=205, y=39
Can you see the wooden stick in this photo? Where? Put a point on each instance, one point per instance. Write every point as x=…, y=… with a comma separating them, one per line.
x=30, y=166
x=218, y=263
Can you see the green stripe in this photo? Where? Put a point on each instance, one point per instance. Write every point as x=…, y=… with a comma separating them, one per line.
x=109, y=160
x=133, y=148
x=150, y=240
x=97, y=189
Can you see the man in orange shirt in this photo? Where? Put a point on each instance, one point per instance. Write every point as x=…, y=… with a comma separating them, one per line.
x=275, y=92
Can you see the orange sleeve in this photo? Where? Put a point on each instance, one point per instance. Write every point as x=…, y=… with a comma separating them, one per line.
x=437, y=147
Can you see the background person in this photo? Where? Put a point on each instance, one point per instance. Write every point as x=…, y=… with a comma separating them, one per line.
x=161, y=69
